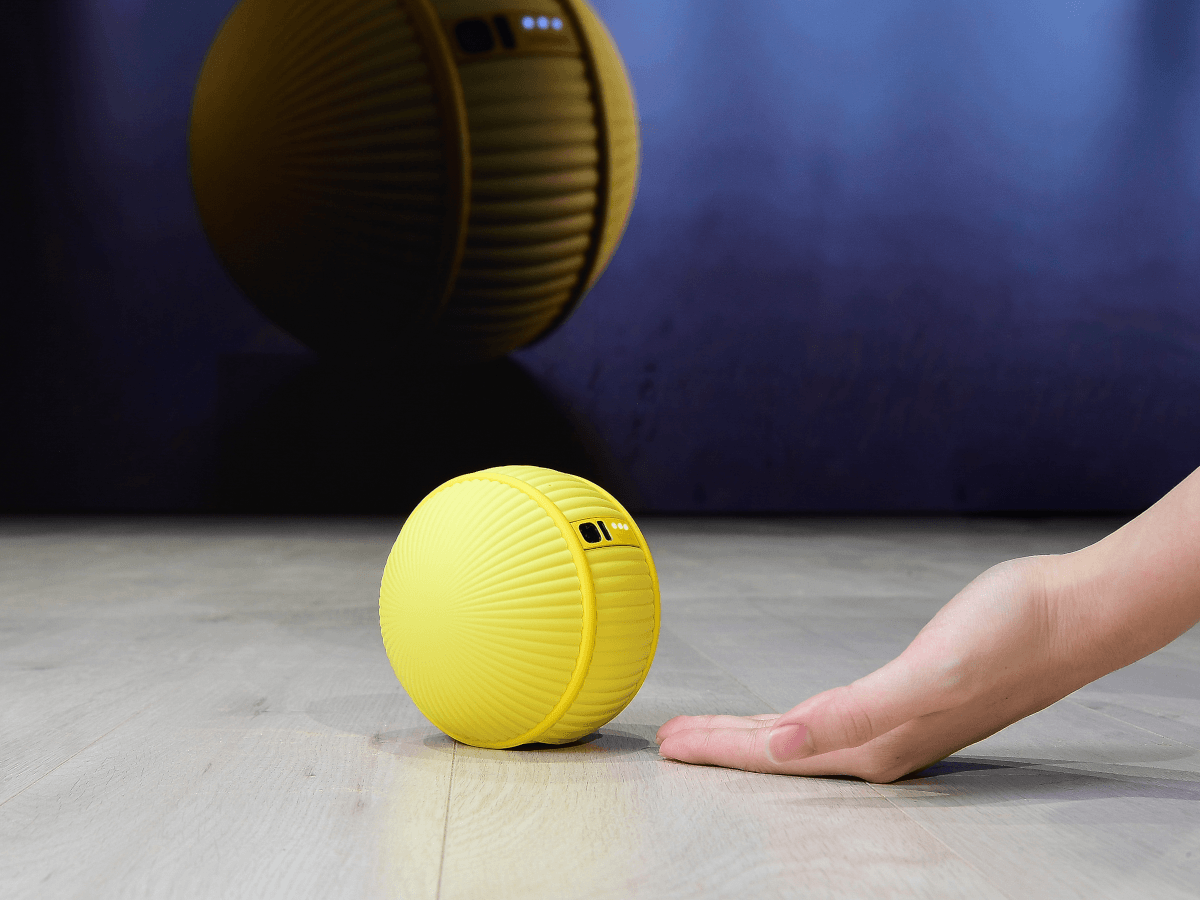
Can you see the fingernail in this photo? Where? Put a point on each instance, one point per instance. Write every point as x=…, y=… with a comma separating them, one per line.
x=788, y=742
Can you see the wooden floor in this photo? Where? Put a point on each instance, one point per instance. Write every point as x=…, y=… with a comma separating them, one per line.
x=203, y=708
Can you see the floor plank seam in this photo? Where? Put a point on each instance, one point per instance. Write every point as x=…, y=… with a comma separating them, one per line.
x=1128, y=724
x=955, y=854
x=446, y=821
x=966, y=862
x=736, y=680
x=771, y=614
x=272, y=760
x=85, y=748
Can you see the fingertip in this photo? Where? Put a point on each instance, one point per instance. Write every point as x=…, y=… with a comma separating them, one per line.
x=665, y=747
x=665, y=730
x=675, y=725
x=681, y=747
x=738, y=748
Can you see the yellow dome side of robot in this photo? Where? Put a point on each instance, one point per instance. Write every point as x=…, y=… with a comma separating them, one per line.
x=319, y=166
x=509, y=623
x=483, y=613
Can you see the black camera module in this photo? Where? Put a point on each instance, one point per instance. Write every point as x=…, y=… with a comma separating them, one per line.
x=505, y=31
x=590, y=533
x=474, y=36
x=607, y=536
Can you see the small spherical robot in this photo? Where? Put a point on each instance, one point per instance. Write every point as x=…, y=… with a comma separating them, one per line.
x=520, y=605
x=393, y=180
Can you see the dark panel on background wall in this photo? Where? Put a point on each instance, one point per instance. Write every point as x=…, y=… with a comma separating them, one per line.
x=889, y=255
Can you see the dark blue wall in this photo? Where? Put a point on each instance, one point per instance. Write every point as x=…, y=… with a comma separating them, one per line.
x=887, y=255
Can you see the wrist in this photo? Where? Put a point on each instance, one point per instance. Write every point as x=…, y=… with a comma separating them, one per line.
x=1116, y=603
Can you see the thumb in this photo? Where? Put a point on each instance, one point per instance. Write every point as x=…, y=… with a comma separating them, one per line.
x=855, y=714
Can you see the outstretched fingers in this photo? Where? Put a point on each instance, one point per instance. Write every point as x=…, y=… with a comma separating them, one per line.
x=691, y=723
x=742, y=746
x=755, y=749
x=822, y=727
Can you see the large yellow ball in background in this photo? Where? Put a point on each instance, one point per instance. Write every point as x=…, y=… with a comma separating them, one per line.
x=519, y=605
x=398, y=179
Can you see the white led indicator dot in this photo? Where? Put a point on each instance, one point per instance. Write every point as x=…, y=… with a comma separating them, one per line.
x=556, y=24
x=527, y=23
x=543, y=23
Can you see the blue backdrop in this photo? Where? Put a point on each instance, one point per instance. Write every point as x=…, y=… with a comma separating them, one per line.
x=886, y=255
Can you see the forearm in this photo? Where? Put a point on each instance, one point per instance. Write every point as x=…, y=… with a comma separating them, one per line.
x=1138, y=589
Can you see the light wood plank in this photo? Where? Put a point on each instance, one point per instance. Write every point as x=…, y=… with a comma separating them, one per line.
x=202, y=708
x=256, y=779
x=1068, y=803
x=69, y=685
x=848, y=557
x=96, y=621
x=269, y=751
x=1093, y=797
x=609, y=818
x=1160, y=694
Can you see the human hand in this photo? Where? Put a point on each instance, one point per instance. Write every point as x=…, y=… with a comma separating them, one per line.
x=1016, y=639
x=1007, y=645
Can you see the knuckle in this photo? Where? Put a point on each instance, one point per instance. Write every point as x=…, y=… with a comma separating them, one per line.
x=745, y=750
x=702, y=749
x=852, y=719
x=882, y=775
x=879, y=768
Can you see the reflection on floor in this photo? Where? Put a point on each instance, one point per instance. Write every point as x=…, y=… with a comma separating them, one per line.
x=203, y=708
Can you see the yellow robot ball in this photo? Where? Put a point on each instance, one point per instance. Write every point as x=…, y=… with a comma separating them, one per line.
x=399, y=179
x=520, y=605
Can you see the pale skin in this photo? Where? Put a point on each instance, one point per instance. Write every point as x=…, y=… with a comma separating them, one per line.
x=1021, y=636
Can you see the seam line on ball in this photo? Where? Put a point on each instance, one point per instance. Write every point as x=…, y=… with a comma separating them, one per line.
x=587, y=590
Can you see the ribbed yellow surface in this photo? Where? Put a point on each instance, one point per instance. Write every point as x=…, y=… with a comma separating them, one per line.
x=627, y=605
x=577, y=497
x=534, y=173
x=481, y=611
x=554, y=153
x=621, y=127
x=318, y=164
x=500, y=626
x=343, y=158
x=626, y=629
